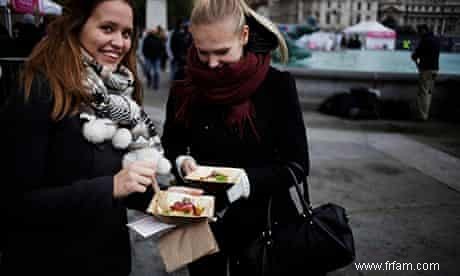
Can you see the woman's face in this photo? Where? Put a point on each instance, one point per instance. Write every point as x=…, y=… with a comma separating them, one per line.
x=218, y=43
x=107, y=33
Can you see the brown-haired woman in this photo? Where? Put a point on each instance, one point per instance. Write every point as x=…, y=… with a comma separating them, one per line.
x=235, y=110
x=65, y=201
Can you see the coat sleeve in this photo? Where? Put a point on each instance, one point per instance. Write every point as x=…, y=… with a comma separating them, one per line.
x=290, y=144
x=27, y=198
x=173, y=139
x=420, y=49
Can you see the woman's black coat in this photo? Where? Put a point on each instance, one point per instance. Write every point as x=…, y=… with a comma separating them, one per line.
x=279, y=124
x=59, y=215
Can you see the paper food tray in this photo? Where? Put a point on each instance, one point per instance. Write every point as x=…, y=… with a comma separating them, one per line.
x=208, y=174
x=162, y=204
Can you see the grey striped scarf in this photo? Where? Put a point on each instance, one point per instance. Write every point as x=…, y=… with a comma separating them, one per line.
x=112, y=99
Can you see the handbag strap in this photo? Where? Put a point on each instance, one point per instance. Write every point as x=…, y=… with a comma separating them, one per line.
x=306, y=192
x=304, y=199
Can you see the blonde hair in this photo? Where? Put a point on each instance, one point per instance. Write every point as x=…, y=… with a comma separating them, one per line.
x=211, y=11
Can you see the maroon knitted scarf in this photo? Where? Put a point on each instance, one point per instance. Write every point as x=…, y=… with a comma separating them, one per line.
x=231, y=86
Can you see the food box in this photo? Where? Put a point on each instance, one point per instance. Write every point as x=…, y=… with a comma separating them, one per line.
x=173, y=207
x=214, y=178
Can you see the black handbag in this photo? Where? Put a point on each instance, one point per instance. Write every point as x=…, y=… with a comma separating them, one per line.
x=317, y=241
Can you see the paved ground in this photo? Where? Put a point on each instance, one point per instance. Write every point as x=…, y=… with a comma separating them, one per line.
x=399, y=180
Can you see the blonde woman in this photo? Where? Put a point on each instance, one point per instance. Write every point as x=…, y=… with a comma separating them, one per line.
x=234, y=109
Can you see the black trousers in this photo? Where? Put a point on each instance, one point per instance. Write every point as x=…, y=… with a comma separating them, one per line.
x=219, y=265
x=215, y=264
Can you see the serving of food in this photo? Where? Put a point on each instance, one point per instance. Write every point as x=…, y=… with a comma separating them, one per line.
x=177, y=206
x=215, y=175
x=184, y=207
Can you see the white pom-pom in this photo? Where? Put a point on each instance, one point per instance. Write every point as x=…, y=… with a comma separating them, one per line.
x=110, y=128
x=122, y=138
x=148, y=154
x=163, y=166
x=144, y=154
x=156, y=139
x=128, y=158
x=96, y=131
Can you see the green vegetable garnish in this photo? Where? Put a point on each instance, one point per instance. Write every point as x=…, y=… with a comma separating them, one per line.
x=221, y=178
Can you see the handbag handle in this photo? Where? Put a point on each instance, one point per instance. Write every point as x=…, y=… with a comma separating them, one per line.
x=307, y=210
x=306, y=188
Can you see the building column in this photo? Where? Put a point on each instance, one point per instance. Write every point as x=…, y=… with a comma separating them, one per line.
x=300, y=12
x=156, y=13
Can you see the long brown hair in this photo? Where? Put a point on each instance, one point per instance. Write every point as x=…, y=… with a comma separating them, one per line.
x=57, y=57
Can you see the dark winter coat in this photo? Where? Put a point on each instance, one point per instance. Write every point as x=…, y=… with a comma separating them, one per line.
x=59, y=215
x=280, y=125
x=153, y=47
x=180, y=42
x=427, y=52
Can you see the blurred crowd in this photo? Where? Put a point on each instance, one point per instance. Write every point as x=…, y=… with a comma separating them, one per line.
x=26, y=33
x=157, y=47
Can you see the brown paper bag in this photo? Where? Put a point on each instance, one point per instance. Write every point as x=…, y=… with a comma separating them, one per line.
x=186, y=244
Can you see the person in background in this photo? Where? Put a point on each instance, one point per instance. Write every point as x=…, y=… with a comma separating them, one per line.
x=344, y=42
x=426, y=57
x=7, y=43
x=64, y=195
x=234, y=110
x=153, y=50
x=170, y=55
x=180, y=43
x=164, y=38
x=406, y=44
x=450, y=44
x=27, y=35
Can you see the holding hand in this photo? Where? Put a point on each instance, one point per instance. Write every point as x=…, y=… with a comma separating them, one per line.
x=185, y=164
x=134, y=178
x=240, y=189
x=188, y=166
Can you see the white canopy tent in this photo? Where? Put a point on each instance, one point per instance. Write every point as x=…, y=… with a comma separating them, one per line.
x=31, y=6
x=376, y=35
x=45, y=7
x=49, y=7
x=317, y=41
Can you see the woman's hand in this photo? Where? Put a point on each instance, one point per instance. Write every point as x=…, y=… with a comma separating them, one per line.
x=134, y=178
x=188, y=166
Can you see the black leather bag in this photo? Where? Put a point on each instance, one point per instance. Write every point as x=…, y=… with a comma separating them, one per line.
x=317, y=241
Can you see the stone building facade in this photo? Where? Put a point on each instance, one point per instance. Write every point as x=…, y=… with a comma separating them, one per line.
x=156, y=13
x=443, y=16
x=337, y=15
x=329, y=14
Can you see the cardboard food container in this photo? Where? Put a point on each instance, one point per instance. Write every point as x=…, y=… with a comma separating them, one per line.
x=177, y=208
x=214, y=178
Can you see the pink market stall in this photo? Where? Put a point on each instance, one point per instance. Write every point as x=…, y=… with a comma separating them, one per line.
x=374, y=35
x=13, y=8
x=41, y=7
